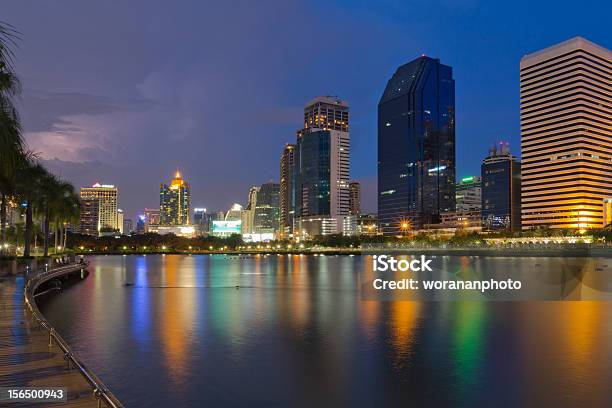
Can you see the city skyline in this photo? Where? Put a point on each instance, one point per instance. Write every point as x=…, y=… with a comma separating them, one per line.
x=106, y=127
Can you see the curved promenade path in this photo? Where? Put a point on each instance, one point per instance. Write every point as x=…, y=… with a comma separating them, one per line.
x=27, y=356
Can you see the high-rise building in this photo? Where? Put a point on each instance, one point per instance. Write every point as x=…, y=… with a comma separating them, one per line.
x=322, y=168
x=328, y=113
x=174, y=202
x=152, y=219
x=468, y=194
x=501, y=190
x=140, y=224
x=266, y=213
x=88, y=223
x=120, y=220
x=416, y=146
x=354, y=198
x=566, y=135
x=248, y=213
x=105, y=220
x=287, y=191
x=128, y=227
x=607, y=212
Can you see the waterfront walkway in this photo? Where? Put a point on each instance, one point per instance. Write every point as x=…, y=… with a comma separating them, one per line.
x=26, y=359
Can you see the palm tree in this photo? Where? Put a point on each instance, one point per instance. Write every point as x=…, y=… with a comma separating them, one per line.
x=11, y=140
x=46, y=203
x=65, y=208
x=29, y=187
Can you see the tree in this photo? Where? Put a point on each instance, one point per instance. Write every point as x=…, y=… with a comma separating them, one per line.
x=11, y=140
x=30, y=177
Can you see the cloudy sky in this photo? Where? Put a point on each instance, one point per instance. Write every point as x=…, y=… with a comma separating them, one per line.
x=126, y=92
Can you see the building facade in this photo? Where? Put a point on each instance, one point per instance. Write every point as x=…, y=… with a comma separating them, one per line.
x=354, y=198
x=202, y=221
x=468, y=194
x=607, y=212
x=416, y=146
x=140, y=224
x=566, y=135
x=287, y=191
x=120, y=220
x=174, y=202
x=248, y=213
x=322, y=168
x=88, y=223
x=501, y=190
x=128, y=226
x=266, y=211
x=151, y=219
x=104, y=217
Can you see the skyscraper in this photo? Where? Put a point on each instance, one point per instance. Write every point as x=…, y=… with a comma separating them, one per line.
x=248, y=213
x=287, y=191
x=265, y=217
x=120, y=220
x=174, y=202
x=322, y=168
x=501, y=190
x=88, y=223
x=127, y=226
x=140, y=225
x=104, y=217
x=416, y=146
x=566, y=135
x=354, y=198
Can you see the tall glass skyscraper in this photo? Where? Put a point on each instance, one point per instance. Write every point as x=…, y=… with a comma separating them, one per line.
x=416, y=146
x=322, y=156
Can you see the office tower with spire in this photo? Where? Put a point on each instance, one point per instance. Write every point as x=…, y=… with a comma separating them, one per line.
x=322, y=168
x=566, y=135
x=416, y=146
x=174, y=202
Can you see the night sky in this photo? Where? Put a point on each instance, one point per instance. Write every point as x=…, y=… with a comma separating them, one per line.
x=126, y=93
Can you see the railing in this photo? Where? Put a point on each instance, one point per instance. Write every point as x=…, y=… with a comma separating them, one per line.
x=100, y=391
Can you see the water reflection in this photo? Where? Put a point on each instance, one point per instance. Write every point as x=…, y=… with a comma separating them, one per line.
x=293, y=330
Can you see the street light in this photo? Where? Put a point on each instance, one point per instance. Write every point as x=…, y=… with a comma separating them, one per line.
x=405, y=226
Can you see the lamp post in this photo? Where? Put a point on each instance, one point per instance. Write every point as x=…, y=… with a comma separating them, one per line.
x=405, y=227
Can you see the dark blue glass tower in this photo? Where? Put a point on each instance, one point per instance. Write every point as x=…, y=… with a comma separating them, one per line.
x=313, y=173
x=416, y=146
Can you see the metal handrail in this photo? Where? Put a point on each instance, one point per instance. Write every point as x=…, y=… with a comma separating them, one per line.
x=100, y=391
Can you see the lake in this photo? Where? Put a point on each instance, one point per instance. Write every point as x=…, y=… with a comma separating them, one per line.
x=282, y=330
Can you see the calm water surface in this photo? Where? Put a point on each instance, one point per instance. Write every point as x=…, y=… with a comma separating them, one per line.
x=296, y=333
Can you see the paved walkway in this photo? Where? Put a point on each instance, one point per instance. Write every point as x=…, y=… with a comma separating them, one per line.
x=26, y=359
